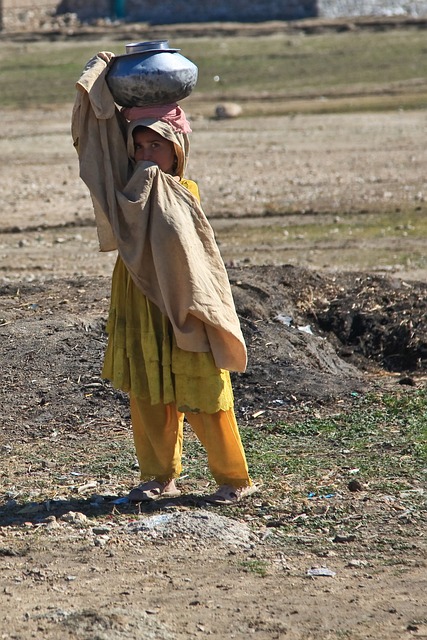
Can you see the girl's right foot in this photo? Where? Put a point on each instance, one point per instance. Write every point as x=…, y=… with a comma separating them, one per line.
x=153, y=490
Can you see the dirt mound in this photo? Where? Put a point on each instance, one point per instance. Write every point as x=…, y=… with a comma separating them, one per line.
x=315, y=337
x=383, y=320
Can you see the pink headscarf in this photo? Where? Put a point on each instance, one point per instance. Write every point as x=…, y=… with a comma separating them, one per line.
x=170, y=113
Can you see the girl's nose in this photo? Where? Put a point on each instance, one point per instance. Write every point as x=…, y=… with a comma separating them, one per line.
x=142, y=153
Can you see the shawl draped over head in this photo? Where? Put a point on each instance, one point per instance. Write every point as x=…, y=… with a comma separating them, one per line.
x=157, y=225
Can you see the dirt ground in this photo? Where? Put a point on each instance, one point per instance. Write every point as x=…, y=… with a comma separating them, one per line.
x=320, y=329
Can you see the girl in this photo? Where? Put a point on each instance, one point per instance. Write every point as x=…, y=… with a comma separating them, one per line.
x=173, y=329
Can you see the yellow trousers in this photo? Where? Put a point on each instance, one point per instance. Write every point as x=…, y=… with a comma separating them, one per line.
x=158, y=435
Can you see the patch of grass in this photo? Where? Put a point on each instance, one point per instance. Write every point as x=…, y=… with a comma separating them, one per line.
x=114, y=458
x=37, y=74
x=387, y=225
x=46, y=468
x=258, y=567
x=299, y=63
x=319, y=73
x=384, y=437
x=370, y=241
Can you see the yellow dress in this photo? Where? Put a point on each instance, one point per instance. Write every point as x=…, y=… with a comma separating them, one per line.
x=143, y=359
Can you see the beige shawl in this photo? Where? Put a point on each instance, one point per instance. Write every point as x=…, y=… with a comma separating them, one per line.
x=158, y=227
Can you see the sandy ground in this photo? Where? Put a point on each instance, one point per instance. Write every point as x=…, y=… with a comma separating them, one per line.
x=71, y=567
x=332, y=169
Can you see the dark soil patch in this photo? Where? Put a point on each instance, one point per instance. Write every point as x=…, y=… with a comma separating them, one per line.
x=381, y=319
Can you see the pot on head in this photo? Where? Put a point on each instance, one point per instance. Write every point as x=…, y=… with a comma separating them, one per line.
x=150, y=73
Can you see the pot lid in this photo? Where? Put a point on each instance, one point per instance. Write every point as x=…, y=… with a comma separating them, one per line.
x=152, y=46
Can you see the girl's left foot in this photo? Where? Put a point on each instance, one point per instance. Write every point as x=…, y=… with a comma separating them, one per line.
x=227, y=494
x=153, y=490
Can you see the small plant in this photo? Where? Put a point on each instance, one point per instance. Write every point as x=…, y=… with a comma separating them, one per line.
x=259, y=567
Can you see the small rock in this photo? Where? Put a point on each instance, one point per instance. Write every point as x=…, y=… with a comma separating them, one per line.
x=343, y=539
x=49, y=519
x=87, y=487
x=321, y=571
x=355, y=485
x=101, y=541
x=356, y=564
x=51, y=523
x=6, y=551
x=101, y=530
x=75, y=517
x=228, y=110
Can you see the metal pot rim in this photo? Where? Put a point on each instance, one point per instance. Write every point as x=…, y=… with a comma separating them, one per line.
x=151, y=46
x=149, y=51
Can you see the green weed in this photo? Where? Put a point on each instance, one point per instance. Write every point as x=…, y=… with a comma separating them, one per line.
x=383, y=437
x=258, y=567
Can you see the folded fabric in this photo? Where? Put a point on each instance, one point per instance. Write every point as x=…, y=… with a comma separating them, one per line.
x=171, y=113
x=159, y=229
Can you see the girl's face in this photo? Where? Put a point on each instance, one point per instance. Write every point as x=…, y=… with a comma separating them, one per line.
x=151, y=146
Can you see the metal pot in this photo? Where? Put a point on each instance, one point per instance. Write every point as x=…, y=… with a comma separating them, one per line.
x=150, y=73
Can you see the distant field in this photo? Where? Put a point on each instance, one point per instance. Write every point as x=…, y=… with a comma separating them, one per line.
x=275, y=74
